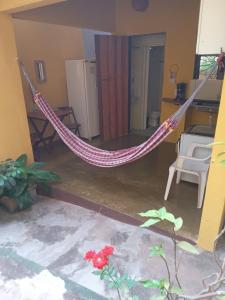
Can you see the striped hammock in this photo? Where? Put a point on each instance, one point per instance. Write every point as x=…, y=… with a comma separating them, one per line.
x=103, y=158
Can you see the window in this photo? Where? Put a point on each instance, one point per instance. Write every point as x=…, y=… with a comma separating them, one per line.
x=203, y=63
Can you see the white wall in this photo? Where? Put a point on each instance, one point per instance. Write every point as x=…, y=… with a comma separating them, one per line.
x=211, y=31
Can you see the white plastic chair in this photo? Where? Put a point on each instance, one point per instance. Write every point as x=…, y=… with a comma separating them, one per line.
x=191, y=165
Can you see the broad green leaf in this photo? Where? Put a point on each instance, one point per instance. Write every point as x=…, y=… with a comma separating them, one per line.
x=178, y=224
x=163, y=213
x=150, y=222
x=150, y=213
x=153, y=283
x=221, y=297
x=1, y=181
x=187, y=247
x=22, y=160
x=157, y=250
x=37, y=165
x=170, y=217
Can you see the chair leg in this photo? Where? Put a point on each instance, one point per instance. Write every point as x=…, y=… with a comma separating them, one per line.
x=178, y=177
x=169, y=182
x=201, y=189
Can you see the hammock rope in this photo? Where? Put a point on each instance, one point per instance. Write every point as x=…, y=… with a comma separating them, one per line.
x=104, y=158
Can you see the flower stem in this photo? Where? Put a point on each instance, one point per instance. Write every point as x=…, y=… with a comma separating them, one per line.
x=113, y=280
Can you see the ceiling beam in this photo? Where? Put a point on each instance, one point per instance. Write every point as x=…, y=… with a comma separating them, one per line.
x=13, y=6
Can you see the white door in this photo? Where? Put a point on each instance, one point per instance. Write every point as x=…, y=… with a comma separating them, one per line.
x=139, y=86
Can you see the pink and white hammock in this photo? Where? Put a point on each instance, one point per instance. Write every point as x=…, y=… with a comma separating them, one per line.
x=104, y=158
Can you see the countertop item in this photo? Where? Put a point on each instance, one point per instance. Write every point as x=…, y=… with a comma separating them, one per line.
x=201, y=105
x=202, y=130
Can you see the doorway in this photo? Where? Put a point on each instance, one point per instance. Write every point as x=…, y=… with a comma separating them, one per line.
x=146, y=80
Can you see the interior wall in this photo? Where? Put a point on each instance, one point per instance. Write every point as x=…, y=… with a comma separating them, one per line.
x=14, y=132
x=178, y=19
x=53, y=44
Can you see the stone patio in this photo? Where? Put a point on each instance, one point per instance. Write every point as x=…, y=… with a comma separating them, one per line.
x=54, y=235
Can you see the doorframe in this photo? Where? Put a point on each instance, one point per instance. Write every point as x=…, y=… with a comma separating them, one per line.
x=160, y=41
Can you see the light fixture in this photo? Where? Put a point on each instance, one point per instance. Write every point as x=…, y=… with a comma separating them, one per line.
x=40, y=70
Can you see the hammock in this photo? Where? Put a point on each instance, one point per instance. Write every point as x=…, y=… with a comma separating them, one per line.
x=103, y=158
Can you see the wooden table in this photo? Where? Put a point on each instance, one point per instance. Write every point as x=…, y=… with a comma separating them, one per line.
x=40, y=125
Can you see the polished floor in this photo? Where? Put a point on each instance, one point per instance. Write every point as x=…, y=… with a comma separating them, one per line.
x=129, y=189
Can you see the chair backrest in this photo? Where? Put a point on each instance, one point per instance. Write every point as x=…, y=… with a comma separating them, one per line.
x=187, y=140
x=70, y=112
x=195, y=147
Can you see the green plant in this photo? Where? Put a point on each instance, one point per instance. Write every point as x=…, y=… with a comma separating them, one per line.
x=170, y=287
x=17, y=179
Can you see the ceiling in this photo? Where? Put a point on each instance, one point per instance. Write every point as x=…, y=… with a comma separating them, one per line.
x=94, y=14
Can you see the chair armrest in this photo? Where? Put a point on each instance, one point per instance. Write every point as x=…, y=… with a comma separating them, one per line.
x=183, y=157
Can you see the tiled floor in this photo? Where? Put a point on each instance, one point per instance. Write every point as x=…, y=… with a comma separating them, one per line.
x=128, y=189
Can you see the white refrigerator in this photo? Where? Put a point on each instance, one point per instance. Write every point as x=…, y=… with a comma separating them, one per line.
x=82, y=95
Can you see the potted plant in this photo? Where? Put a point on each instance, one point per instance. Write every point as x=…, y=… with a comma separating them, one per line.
x=18, y=181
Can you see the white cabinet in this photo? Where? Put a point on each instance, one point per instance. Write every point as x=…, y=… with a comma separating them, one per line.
x=82, y=95
x=211, y=29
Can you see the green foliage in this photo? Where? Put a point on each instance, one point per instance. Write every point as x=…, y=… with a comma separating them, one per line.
x=156, y=216
x=16, y=178
x=157, y=250
x=114, y=279
x=187, y=247
x=154, y=283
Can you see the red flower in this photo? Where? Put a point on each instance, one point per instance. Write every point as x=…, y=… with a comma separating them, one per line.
x=100, y=260
x=107, y=250
x=89, y=255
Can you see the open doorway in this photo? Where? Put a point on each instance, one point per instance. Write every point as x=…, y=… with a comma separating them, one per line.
x=146, y=79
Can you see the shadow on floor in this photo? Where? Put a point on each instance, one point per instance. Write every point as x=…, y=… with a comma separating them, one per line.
x=129, y=189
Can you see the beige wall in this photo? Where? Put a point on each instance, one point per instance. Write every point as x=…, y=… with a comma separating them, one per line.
x=14, y=133
x=178, y=19
x=53, y=44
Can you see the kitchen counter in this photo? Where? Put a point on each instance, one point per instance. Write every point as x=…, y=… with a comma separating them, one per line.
x=200, y=112
x=201, y=105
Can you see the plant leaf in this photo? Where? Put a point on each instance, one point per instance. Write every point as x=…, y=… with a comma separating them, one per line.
x=170, y=217
x=152, y=283
x=162, y=212
x=22, y=160
x=37, y=165
x=178, y=224
x=187, y=247
x=150, y=213
x=150, y=222
x=157, y=250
